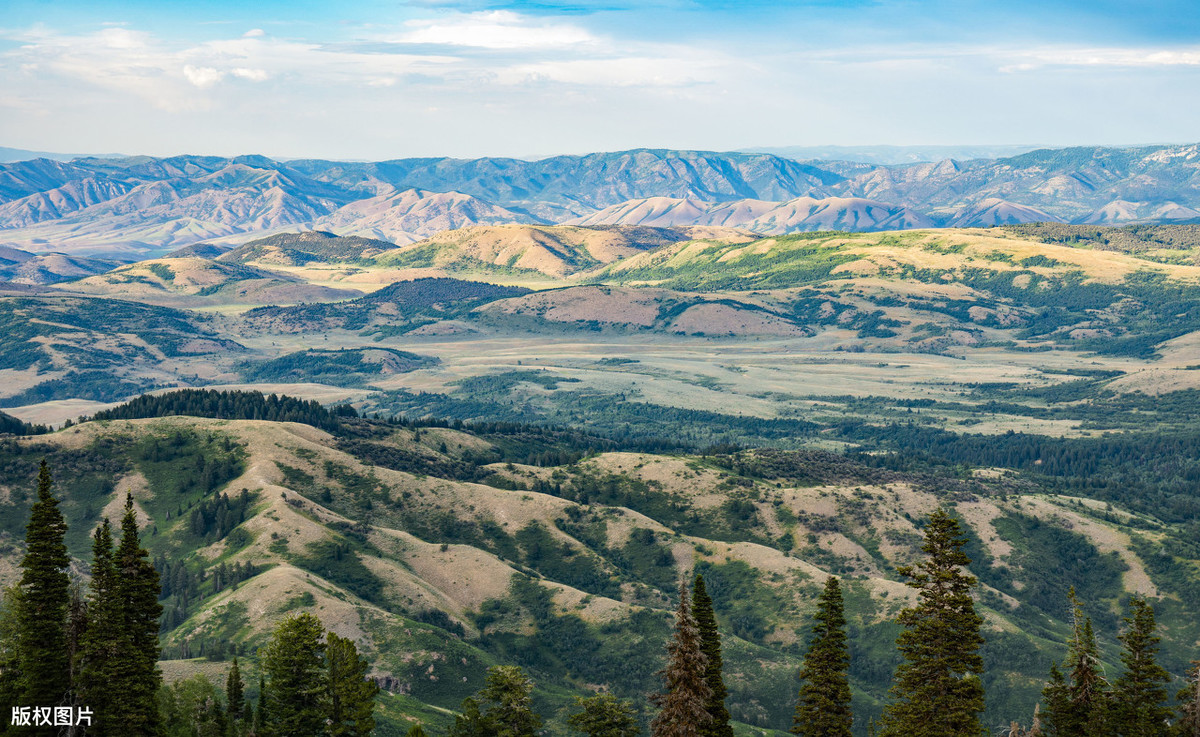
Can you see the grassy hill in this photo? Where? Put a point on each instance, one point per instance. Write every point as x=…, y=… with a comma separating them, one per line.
x=194, y=281
x=552, y=250
x=297, y=249
x=444, y=551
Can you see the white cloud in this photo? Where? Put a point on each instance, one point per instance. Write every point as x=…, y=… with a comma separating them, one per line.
x=254, y=75
x=1103, y=57
x=254, y=33
x=202, y=77
x=496, y=30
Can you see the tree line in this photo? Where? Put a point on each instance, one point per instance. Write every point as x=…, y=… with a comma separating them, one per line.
x=76, y=663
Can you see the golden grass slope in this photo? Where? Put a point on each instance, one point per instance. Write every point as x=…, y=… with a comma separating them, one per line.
x=194, y=281
x=556, y=251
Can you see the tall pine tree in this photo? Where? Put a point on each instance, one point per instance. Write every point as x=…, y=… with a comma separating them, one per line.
x=823, y=709
x=43, y=603
x=1077, y=701
x=134, y=699
x=937, y=689
x=351, y=693
x=1139, y=703
x=235, y=697
x=710, y=645
x=683, y=705
x=297, y=683
x=104, y=641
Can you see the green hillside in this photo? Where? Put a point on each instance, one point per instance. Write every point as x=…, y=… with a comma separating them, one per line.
x=445, y=551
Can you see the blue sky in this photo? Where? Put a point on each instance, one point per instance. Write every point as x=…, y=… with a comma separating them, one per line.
x=375, y=79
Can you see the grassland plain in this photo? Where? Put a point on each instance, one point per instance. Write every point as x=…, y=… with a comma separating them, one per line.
x=443, y=551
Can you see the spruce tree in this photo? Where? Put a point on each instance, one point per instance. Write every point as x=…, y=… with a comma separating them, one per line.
x=134, y=702
x=683, y=705
x=1077, y=701
x=351, y=693
x=416, y=730
x=104, y=641
x=43, y=604
x=262, y=715
x=710, y=645
x=937, y=689
x=604, y=715
x=294, y=663
x=1139, y=698
x=508, y=698
x=1188, y=724
x=1057, y=698
x=235, y=693
x=823, y=709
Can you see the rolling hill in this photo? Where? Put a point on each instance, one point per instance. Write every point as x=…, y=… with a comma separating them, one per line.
x=294, y=249
x=194, y=281
x=22, y=267
x=556, y=251
x=443, y=551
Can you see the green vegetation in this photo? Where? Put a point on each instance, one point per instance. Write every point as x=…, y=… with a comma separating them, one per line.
x=937, y=688
x=823, y=707
x=223, y=405
x=404, y=305
x=345, y=367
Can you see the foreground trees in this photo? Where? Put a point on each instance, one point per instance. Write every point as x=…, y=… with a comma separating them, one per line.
x=683, y=704
x=1139, y=701
x=823, y=709
x=314, y=687
x=604, y=715
x=42, y=601
x=507, y=703
x=710, y=645
x=937, y=688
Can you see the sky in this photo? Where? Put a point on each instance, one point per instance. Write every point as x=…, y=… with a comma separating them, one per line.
x=381, y=79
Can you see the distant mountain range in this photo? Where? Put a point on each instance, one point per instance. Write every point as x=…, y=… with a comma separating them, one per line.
x=149, y=206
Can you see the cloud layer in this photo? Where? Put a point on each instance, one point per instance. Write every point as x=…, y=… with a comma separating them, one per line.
x=483, y=79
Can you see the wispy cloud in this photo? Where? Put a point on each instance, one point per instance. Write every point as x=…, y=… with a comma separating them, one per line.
x=1103, y=57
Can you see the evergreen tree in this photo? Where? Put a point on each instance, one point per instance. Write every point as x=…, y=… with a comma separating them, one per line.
x=683, y=705
x=192, y=708
x=262, y=714
x=43, y=604
x=351, y=693
x=298, y=687
x=416, y=730
x=134, y=706
x=823, y=709
x=1188, y=724
x=104, y=641
x=235, y=693
x=604, y=715
x=508, y=697
x=937, y=689
x=1077, y=702
x=710, y=645
x=1139, y=699
x=1058, y=702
